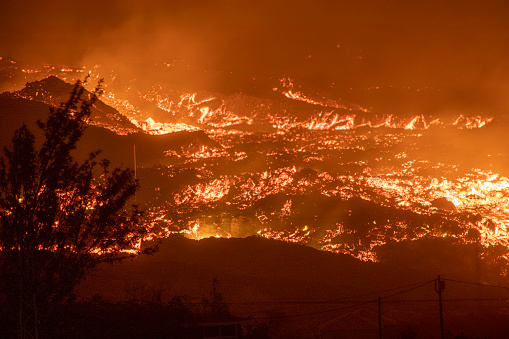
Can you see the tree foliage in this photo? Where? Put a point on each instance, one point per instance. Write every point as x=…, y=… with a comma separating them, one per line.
x=60, y=217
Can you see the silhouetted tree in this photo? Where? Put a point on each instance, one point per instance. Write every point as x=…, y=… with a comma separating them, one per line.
x=59, y=217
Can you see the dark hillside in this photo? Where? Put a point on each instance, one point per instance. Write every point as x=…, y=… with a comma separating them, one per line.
x=252, y=269
x=298, y=290
x=14, y=111
x=53, y=91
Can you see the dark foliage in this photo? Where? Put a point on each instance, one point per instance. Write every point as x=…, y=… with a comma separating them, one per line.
x=101, y=319
x=58, y=217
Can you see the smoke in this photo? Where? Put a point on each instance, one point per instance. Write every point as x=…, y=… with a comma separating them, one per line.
x=454, y=43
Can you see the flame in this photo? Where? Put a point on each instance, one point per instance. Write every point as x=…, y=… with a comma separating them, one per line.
x=299, y=235
x=158, y=128
x=471, y=122
x=287, y=209
x=261, y=185
x=204, y=193
x=339, y=122
x=334, y=126
x=215, y=112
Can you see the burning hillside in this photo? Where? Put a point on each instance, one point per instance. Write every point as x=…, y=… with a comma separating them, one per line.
x=299, y=166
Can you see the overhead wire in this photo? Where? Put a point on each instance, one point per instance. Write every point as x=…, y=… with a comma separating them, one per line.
x=410, y=289
x=345, y=299
x=477, y=284
x=352, y=300
x=311, y=313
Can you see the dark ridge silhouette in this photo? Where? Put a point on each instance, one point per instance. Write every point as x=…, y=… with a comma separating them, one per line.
x=53, y=90
x=149, y=148
x=256, y=268
x=274, y=281
x=118, y=149
x=16, y=111
x=248, y=268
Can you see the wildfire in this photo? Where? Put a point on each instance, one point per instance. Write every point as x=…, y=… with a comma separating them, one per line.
x=299, y=235
x=204, y=193
x=188, y=111
x=337, y=150
x=471, y=122
x=268, y=182
x=157, y=128
x=479, y=193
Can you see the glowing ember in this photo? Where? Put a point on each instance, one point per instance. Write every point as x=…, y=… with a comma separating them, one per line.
x=304, y=167
x=204, y=193
x=157, y=128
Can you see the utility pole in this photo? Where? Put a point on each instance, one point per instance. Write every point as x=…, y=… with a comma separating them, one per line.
x=379, y=317
x=439, y=288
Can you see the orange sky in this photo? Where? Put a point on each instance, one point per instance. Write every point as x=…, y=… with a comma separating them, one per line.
x=452, y=43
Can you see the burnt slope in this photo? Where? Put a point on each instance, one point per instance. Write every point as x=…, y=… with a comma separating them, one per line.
x=53, y=91
x=15, y=110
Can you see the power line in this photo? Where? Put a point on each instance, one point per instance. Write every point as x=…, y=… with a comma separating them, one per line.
x=315, y=303
x=347, y=307
x=312, y=313
x=351, y=300
x=445, y=300
x=408, y=290
x=478, y=284
x=345, y=299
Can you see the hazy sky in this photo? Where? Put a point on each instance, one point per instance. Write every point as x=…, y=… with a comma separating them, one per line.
x=463, y=43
